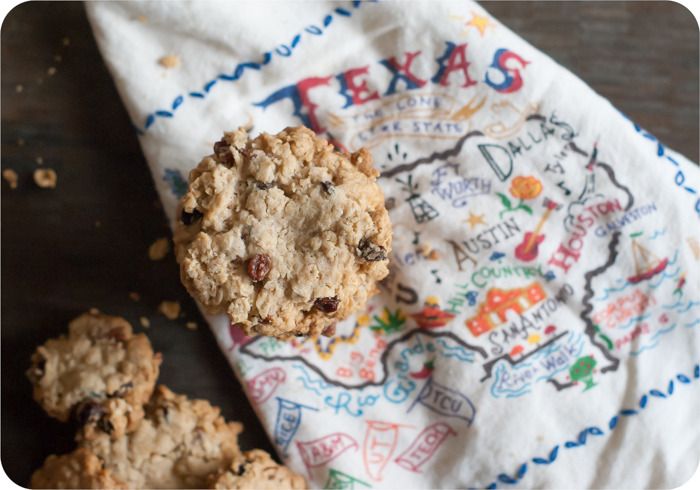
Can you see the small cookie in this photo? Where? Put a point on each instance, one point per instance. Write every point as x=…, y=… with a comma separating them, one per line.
x=178, y=444
x=100, y=373
x=79, y=469
x=256, y=470
x=282, y=233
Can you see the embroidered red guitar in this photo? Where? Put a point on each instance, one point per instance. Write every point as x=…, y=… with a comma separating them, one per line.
x=528, y=249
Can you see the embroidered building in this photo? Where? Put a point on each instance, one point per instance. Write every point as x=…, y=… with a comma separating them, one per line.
x=494, y=310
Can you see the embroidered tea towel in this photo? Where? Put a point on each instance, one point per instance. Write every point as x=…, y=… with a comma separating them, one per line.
x=540, y=325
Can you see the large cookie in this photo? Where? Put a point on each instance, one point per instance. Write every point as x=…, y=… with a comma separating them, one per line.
x=256, y=470
x=100, y=373
x=79, y=469
x=281, y=232
x=178, y=444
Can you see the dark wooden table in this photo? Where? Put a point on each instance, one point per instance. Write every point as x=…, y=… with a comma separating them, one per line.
x=85, y=243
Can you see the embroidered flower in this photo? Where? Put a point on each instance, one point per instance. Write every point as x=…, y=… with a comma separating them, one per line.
x=525, y=187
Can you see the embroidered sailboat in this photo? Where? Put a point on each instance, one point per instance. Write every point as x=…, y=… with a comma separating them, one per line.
x=646, y=264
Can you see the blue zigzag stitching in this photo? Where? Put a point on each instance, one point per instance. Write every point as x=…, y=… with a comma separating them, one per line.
x=282, y=50
x=512, y=479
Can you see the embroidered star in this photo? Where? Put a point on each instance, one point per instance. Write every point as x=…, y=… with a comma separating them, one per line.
x=475, y=219
x=480, y=22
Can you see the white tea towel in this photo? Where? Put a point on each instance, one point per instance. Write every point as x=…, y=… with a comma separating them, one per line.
x=540, y=326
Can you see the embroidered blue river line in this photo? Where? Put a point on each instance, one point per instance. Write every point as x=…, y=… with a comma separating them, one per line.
x=282, y=50
x=580, y=440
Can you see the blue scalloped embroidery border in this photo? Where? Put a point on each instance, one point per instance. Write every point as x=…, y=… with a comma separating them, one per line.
x=679, y=177
x=580, y=440
x=281, y=51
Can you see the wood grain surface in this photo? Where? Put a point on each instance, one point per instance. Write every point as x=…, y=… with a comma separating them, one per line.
x=84, y=244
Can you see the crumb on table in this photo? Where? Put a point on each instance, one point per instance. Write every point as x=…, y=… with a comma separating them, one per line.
x=45, y=178
x=159, y=249
x=10, y=177
x=170, y=309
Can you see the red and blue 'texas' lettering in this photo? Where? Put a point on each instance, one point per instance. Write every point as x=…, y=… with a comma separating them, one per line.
x=453, y=68
x=512, y=81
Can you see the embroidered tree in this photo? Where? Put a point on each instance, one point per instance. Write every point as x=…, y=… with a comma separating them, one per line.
x=582, y=370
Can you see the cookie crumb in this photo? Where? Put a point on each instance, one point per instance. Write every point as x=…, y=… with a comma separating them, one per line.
x=19, y=88
x=159, y=249
x=45, y=178
x=39, y=160
x=169, y=61
x=142, y=18
x=191, y=325
x=51, y=71
x=170, y=309
x=424, y=249
x=134, y=296
x=145, y=322
x=10, y=177
x=427, y=251
x=94, y=311
x=66, y=41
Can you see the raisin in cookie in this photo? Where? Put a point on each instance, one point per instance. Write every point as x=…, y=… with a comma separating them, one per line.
x=178, y=444
x=79, y=469
x=256, y=470
x=101, y=373
x=282, y=233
